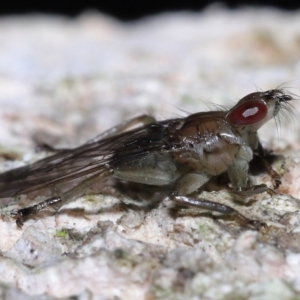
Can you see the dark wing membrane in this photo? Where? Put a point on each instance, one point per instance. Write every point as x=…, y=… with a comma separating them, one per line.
x=86, y=160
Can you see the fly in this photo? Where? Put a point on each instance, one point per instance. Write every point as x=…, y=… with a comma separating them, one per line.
x=182, y=154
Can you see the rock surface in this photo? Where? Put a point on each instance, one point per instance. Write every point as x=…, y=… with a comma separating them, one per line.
x=63, y=81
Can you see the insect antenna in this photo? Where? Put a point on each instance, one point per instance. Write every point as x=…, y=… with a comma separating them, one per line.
x=286, y=111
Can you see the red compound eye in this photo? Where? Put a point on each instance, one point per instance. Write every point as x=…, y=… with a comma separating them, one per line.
x=248, y=113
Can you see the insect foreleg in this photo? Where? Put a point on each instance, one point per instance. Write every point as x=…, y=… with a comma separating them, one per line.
x=238, y=175
x=262, y=154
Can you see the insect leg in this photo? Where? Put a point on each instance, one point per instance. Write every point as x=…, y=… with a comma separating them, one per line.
x=191, y=182
x=238, y=174
x=261, y=154
x=217, y=207
x=24, y=213
x=253, y=190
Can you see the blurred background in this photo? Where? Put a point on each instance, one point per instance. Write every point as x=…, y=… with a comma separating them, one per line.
x=71, y=69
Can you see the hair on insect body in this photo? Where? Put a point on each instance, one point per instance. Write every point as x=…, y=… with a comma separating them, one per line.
x=182, y=154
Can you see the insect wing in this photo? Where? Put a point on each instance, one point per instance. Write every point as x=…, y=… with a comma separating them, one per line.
x=87, y=160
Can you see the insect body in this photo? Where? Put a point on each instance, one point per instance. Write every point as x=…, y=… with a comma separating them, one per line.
x=181, y=154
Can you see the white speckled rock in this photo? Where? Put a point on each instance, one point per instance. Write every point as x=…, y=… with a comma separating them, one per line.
x=64, y=81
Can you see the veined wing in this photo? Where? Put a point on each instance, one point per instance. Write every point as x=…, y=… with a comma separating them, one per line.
x=86, y=160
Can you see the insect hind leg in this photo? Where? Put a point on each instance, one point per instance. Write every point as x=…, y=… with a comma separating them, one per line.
x=24, y=213
x=29, y=211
